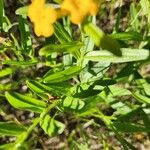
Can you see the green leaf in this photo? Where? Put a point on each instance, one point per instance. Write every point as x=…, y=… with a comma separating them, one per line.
x=1, y=13
x=20, y=63
x=128, y=55
x=81, y=146
x=25, y=102
x=51, y=126
x=145, y=5
x=23, y=11
x=5, y=87
x=145, y=118
x=125, y=72
x=44, y=90
x=61, y=34
x=25, y=39
x=127, y=36
x=11, y=129
x=121, y=108
x=128, y=127
x=67, y=47
x=5, y=72
x=101, y=39
x=141, y=98
x=72, y=103
x=144, y=84
x=90, y=105
x=126, y=145
x=135, y=20
x=63, y=37
x=7, y=146
x=118, y=91
x=62, y=75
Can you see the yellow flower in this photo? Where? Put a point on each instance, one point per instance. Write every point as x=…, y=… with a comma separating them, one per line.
x=42, y=16
x=79, y=9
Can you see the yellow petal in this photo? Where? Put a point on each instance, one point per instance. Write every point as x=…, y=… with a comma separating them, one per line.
x=37, y=29
x=47, y=30
x=50, y=14
x=76, y=18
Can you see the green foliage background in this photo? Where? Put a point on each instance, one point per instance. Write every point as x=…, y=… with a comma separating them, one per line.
x=79, y=78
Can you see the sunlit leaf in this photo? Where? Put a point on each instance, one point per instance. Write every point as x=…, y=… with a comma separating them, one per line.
x=51, y=126
x=5, y=72
x=63, y=75
x=128, y=55
x=11, y=129
x=25, y=102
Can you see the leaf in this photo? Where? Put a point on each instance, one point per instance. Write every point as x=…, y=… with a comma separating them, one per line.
x=81, y=146
x=1, y=13
x=141, y=98
x=101, y=39
x=44, y=90
x=135, y=20
x=11, y=129
x=126, y=145
x=105, y=82
x=121, y=108
x=25, y=39
x=68, y=47
x=144, y=84
x=145, y=5
x=51, y=126
x=84, y=91
x=20, y=63
x=127, y=36
x=72, y=103
x=90, y=105
x=7, y=146
x=118, y=91
x=25, y=102
x=62, y=75
x=145, y=118
x=128, y=55
x=23, y=11
x=5, y=87
x=62, y=35
x=5, y=72
x=128, y=127
x=94, y=72
x=125, y=72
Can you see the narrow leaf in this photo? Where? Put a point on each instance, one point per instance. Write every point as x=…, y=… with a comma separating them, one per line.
x=20, y=63
x=141, y=98
x=63, y=75
x=69, y=47
x=25, y=102
x=128, y=55
x=44, y=90
x=128, y=127
x=1, y=13
x=11, y=129
x=5, y=72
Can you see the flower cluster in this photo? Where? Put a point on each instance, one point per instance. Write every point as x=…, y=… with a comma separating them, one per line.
x=79, y=9
x=43, y=16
